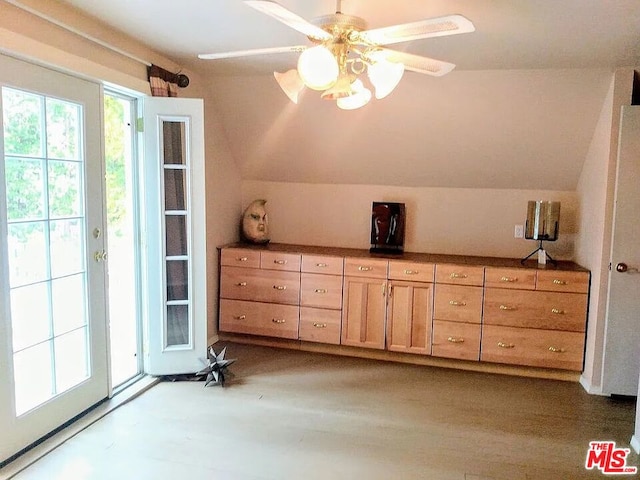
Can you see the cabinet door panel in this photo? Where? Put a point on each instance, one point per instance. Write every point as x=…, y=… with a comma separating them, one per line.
x=547, y=310
x=260, y=285
x=322, y=291
x=363, y=312
x=409, y=317
x=255, y=318
x=532, y=347
x=458, y=303
x=456, y=340
x=320, y=325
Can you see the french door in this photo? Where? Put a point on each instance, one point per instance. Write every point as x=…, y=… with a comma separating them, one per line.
x=53, y=339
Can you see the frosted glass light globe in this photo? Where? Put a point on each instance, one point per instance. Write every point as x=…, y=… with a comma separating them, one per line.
x=318, y=68
x=385, y=76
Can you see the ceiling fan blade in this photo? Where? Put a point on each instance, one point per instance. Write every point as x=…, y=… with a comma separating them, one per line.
x=414, y=63
x=289, y=18
x=433, y=27
x=248, y=53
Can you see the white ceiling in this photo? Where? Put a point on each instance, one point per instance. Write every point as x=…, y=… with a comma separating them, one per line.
x=518, y=111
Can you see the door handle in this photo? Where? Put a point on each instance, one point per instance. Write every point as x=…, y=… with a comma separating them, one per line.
x=623, y=267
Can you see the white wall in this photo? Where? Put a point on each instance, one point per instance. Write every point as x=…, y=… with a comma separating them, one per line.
x=439, y=220
x=593, y=243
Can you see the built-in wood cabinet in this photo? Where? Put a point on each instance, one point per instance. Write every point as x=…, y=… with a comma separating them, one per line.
x=321, y=299
x=540, y=323
x=364, y=303
x=465, y=308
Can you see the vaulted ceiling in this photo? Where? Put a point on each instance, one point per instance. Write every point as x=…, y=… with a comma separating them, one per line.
x=518, y=111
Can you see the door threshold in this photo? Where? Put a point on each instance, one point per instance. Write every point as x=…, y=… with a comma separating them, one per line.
x=125, y=393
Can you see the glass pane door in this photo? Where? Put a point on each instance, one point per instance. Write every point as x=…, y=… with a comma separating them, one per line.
x=44, y=175
x=52, y=278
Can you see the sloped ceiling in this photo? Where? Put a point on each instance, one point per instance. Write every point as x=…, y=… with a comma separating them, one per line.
x=519, y=110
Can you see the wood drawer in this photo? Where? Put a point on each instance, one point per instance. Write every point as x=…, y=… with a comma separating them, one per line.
x=365, y=267
x=557, y=281
x=260, y=285
x=322, y=291
x=456, y=340
x=516, y=278
x=410, y=271
x=322, y=264
x=280, y=261
x=319, y=325
x=458, y=303
x=240, y=257
x=532, y=347
x=256, y=318
x=547, y=310
x=460, y=274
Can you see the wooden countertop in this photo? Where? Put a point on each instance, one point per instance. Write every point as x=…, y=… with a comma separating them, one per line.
x=410, y=256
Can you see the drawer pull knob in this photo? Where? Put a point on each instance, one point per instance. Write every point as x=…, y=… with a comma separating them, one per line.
x=241, y=284
x=507, y=307
x=458, y=275
x=455, y=339
x=557, y=311
x=556, y=349
x=280, y=287
x=559, y=282
x=320, y=325
x=321, y=265
x=239, y=317
x=456, y=303
x=509, y=279
x=278, y=320
x=506, y=345
x=242, y=259
x=321, y=290
x=364, y=269
x=280, y=262
x=411, y=272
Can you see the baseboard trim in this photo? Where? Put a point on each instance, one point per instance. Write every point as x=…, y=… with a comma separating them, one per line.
x=635, y=443
x=590, y=389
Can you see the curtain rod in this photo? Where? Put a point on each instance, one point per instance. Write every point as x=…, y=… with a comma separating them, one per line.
x=80, y=33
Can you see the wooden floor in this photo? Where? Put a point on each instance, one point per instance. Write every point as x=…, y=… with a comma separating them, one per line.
x=298, y=415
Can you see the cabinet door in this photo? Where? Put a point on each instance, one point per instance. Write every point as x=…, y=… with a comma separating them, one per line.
x=409, y=317
x=363, y=312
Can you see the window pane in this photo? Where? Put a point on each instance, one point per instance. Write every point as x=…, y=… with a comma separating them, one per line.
x=174, y=143
x=30, y=315
x=67, y=247
x=176, y=235
x=27, y=253
x=33, y=377
x=177, y=280
x=68, y=300
x=63, y=132
x=72, y=365
x=177, y=325
x=174, y=189
x=24, y=179
x=22, y=117
x=64, y=189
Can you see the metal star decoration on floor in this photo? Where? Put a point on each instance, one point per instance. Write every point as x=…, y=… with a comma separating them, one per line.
x=216, y=368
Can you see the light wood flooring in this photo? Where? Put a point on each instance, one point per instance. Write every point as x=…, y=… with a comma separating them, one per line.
x=288, y=414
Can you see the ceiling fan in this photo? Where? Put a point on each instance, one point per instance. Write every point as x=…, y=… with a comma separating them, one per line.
x=343, y=48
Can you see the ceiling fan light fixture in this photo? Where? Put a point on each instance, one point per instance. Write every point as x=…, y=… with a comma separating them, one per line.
x=342, y=88
x=360, y=97
x=318, y=68
x=290, y=83
x=385, y=76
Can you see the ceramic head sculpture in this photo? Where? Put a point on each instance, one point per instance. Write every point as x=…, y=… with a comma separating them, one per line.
x=255, y=227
